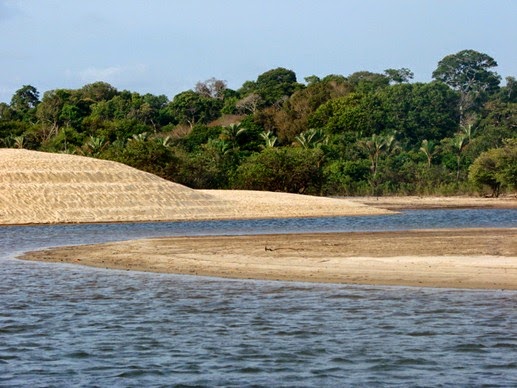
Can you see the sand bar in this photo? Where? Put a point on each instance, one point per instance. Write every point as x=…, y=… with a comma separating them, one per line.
x=458, y=258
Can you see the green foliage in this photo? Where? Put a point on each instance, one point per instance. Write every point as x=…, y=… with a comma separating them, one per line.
x=24, y=102
x=420, y=111
x=199, y=135
x=151, y=156
x=468, y=72
x=273, y=86
x=496, y=168
x=359, y=113
x=399, y=75
x=98, y=91
x=293, y=170
x=367, y=133
x=193, y=108
x=293, y=117
x=66, y=140
x=346, y=177
x=368, y=82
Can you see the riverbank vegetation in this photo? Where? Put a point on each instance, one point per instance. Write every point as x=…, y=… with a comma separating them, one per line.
x=361, y=134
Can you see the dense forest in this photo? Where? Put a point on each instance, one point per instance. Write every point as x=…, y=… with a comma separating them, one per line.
x=362, y=134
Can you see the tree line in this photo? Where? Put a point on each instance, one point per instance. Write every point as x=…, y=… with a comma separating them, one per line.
x=362, y=134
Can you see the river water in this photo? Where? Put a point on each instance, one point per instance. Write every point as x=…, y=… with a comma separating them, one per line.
x=63, y=325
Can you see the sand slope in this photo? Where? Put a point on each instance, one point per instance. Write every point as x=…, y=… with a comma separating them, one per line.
x=37, y=187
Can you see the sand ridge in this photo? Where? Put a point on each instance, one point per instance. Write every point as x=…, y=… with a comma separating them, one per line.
x=41, y=188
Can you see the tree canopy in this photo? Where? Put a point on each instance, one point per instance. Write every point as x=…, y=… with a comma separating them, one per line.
x=357, y=134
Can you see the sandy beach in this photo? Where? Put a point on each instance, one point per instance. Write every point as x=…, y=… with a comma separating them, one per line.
x=465, y=258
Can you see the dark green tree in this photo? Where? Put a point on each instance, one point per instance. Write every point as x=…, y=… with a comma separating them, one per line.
x=192, y=108
x=359, y=113
x=24, y=102
x=420, y=111
x=273, y=86
x=287, y=169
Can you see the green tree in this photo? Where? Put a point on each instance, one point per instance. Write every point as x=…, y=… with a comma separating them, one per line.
x=312, y=138
x=273, y=86
x=293, y=117
x=459, y=143
x=192, y=108
x=496, y=168
x=399, y=76
x=356, y=112
x=368, y=82
x=469, y=73
x=24, y=102
x=287, y=169
x=98, y=91
x=428, y=149
x=420, y=111
x=269, y=139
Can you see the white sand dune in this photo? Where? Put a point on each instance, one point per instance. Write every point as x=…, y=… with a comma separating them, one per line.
x=38, y=187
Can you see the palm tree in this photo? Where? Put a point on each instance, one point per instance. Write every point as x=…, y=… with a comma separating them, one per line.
x=141, y=137
x=269, y=139
x=460, y=142
x=231, y=134
x=19, y=142
x=374, y=146
x=95, y=145
x=428, y=148
x=312, y=138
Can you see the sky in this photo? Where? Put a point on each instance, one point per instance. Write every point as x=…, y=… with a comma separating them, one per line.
x=167, y=46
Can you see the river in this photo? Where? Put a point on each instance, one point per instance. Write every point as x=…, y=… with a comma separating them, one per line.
x=65, y=325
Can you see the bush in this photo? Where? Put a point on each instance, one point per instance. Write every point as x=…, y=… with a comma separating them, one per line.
x=293, y=170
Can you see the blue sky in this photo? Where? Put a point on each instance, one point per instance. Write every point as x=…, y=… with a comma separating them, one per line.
x=166, y=46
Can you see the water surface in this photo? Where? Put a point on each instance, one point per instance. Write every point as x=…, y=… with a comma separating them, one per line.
x=63, y=325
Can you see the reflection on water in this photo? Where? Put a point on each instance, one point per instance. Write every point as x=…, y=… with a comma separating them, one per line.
x=62, y=325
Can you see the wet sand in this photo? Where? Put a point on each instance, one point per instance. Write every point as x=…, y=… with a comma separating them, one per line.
x=456, y=258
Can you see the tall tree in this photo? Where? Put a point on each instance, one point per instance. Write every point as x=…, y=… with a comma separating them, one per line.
x=24, y=101
x=273, y=86
x=469, y=73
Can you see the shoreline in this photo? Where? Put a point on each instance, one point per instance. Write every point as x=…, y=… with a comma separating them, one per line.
x=412, y=202
x=447, y=258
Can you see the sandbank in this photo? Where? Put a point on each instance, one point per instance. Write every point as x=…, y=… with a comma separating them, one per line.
x=455, y=258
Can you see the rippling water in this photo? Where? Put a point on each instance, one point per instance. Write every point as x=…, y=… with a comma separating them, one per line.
x=62, y=325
